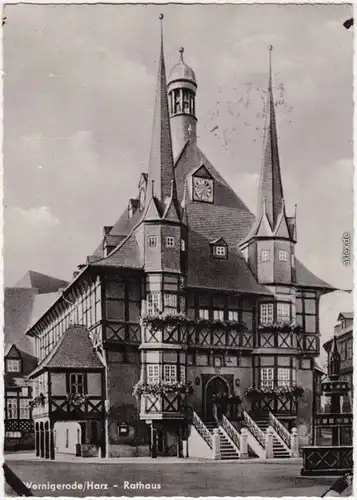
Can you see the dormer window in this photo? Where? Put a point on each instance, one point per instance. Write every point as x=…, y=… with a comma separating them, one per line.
x=220, y=251
x=219, y=248
x=13, y=365
x=265, y=255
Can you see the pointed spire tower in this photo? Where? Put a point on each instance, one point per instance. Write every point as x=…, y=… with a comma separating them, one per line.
x=269, y=246
x=163, y=216
x=271, y=188
x=161, y=178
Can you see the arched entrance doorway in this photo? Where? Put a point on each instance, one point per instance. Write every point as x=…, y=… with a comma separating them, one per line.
x=216, y=385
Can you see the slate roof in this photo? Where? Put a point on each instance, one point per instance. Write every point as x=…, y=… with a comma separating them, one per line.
x=74, y=350
x=42, y=282
x=306, y=278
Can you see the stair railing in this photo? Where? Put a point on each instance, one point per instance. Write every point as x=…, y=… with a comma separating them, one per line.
x=278, y=427
x=231, y=431
x=253, y=428
x=202, y=429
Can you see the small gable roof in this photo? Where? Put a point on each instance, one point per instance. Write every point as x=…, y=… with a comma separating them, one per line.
x=345, y=315
x=74, y=350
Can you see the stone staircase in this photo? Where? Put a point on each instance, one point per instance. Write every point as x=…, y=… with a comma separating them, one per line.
x=262, y=421
x=228, y=452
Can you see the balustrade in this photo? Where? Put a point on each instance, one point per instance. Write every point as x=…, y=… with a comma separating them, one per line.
x=202, y=429
x=254, y=429
x=282, y=432
x=231, y=431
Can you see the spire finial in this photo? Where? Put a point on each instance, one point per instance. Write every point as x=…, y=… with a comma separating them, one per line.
x=270, y=48
x=161, y=17
x=181, y=50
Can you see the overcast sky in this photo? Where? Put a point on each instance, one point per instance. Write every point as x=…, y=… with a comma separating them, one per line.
x=78, y=102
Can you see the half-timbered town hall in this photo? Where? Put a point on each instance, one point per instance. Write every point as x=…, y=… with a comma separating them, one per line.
x=192, y=314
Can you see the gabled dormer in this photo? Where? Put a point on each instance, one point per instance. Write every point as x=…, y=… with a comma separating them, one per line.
x=13, y=361
x=219, y=248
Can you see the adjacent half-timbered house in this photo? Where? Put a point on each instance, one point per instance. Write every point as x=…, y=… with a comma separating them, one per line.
x=18, y=393
x=191, y=302
x=69, y=393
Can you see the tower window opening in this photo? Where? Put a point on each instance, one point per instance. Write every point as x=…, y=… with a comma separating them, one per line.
x=152, y=241
x=283, y=255
x=265, y=255
x=186, y=102
x=170, y=241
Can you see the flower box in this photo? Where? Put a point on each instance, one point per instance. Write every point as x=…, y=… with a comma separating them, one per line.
x=161, y=388
x=258, y=393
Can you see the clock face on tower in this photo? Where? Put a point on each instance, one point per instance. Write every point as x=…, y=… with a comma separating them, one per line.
x=203, y=189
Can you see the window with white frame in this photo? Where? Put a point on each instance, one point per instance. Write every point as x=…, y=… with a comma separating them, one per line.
x=153, y=374
x=203, y=313
x=283, y=311
x=153, y=303
x=25, y=391
x=283, y=255
x=220, y=250
x=218, y=314
x=170, y=242
x=11, y=407
x=267, y=378
x=152, y=241
x=13, y=365
x=25, y=408
x=170, y=302
x=233, y=315
x=76, y=383
x=284, y=377
x=265, y=255
x=170, y=373
x=266, y=313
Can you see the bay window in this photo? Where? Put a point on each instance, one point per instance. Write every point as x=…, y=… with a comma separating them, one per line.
x=170, y=373
x=283, y=311
x=284, y=379
x=170, y=302
x=266, y=313
x=267, y=378
x=153, y=374
x=153, y=303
